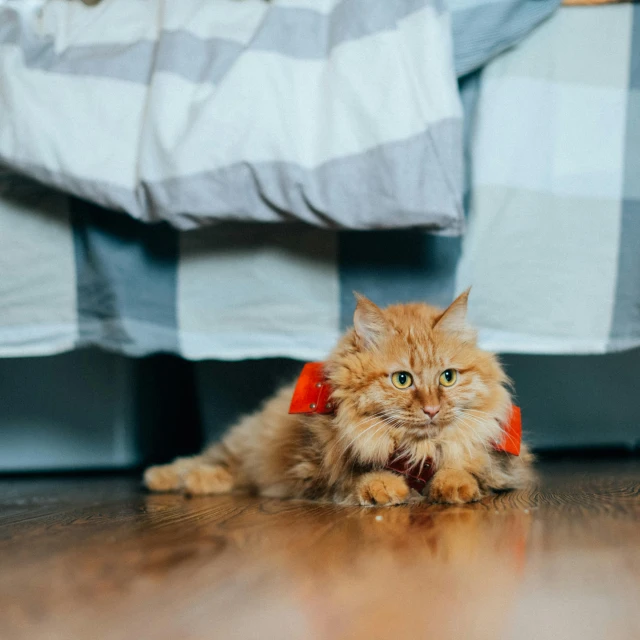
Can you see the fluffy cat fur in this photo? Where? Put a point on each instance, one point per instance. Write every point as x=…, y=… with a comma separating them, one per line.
x=341, y=457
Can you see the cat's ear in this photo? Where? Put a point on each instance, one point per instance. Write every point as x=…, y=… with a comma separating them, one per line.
x=368, y=321
x=454, y=319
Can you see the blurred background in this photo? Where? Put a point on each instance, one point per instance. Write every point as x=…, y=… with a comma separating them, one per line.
x=190, y=193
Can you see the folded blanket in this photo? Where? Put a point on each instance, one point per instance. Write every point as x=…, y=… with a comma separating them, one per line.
x=339, y=113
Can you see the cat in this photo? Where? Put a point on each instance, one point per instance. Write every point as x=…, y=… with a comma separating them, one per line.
x=408, y=382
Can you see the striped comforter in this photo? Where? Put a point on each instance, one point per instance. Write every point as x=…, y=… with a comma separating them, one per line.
x=551, y=246
x=337, y=113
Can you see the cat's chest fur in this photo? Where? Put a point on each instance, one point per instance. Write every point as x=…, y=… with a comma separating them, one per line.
x=441, y=451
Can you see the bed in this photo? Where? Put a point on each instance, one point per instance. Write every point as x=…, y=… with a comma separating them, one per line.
x=548, y=245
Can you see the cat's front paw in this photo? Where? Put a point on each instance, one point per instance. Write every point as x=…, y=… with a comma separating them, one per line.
x=381, y=488
x=454, y=486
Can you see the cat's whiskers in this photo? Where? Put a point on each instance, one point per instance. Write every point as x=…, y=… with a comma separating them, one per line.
x=396, y=419
x=377, y=423
x=380, y=424
x=349, y=433
x=373, y=435
x=509, y=436
x=388, y=418
x=480, y=414
x=475, y=420
x=482, y=418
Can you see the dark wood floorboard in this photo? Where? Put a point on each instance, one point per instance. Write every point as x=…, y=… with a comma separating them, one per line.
x=100, y=558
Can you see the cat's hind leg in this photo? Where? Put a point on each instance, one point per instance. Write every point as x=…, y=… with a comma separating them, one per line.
x=193, y=476
x=208, y=479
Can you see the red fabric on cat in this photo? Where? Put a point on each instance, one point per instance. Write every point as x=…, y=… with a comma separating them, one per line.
x=312, y=393
x=417, y=478
x=512, y=433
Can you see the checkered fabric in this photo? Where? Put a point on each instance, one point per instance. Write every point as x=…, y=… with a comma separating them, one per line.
x=551, y=248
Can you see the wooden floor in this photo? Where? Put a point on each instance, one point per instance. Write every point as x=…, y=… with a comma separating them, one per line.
x=99, y=558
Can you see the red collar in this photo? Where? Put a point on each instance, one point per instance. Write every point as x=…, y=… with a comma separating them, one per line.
x=313, y=395
x=415, y=475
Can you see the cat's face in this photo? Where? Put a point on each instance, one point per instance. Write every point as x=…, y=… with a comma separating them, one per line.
x=418, y=371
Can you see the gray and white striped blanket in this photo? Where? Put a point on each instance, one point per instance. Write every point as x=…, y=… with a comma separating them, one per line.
x=338, y=113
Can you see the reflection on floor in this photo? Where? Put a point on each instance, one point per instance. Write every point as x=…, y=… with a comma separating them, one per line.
x=99, y=558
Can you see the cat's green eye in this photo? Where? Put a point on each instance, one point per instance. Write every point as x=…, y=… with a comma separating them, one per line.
x=401, y=380
x=448, y=377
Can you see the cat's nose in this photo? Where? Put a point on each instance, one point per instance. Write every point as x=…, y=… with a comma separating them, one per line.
x=431, y=411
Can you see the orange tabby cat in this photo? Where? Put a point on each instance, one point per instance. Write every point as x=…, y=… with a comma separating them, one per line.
x=408, y=381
